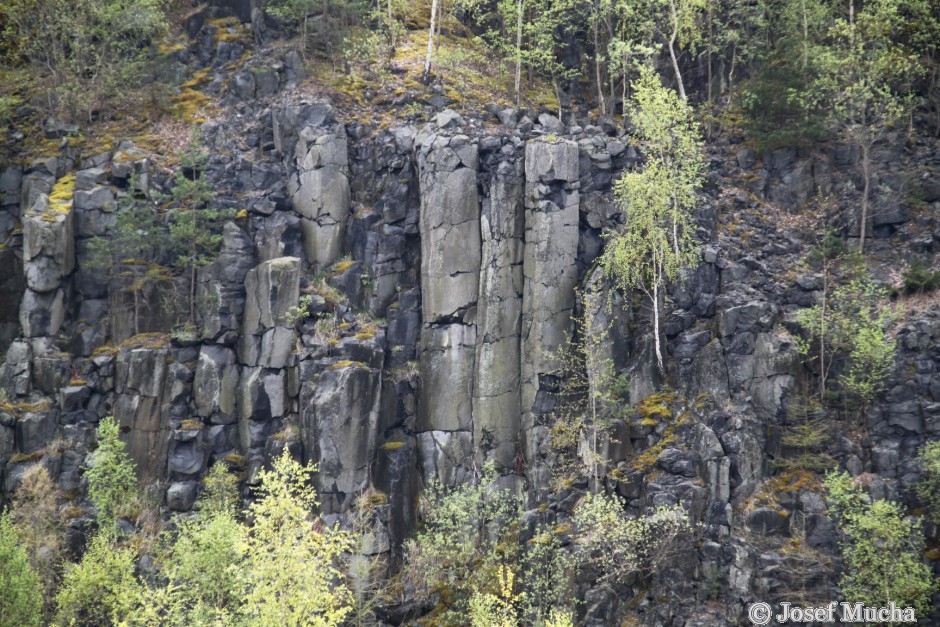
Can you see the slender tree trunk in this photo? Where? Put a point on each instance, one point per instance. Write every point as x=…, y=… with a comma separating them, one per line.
x=594, y=460
x=440, y=18
x=623, y=94
x=557, y=87
x=659, y=354
x=672, y=49
x=866, y=175
x=823, y=371
x=136, y=288
x=708, y=127
x=519, y=51
x=597, y=62
x=391, y=28
x=192, y=293
x=192, y=263
x=734, y=55
x=426, y=75
x=805, y=35
x=592, y=390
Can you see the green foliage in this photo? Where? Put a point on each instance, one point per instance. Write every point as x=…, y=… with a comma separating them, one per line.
x=195, y=226
x=202, y=572
x=499, y=609
x=805, y=438
x=290, y=576
x=779, y=102
x=469, y=531
x=112, y=482
x=21, y=599
x=928, y=488
x=548, y=568
x=829, y=247
x=851, y=325
x=129, y=248
x=8, y=105
x=592, y=396
x=323, y=27
x=101, y=589
x=295, y=14
x=468, y=551
x=657, y=242
x=201, y=562
x=220, y=492
x=614, y=546
x=918, y=278
x=300, y=311
x=865, y=81
x=88, y=51
x=778, y=107
x=881, y=550
x=366, y=571
x=41, y=532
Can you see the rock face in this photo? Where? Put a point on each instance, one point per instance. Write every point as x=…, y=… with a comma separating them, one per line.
x=139, y=387
x=496, y=386
x=220, y=296
x=549, y=273
x=320, y=192
x=48, y=258
x=12, y=285
x=272, y=288
x=340, y=431
x=450, y=225
x=438, y=263
x=450, y=272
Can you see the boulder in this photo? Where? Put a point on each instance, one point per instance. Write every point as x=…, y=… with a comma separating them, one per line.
x=48, y=245
x=181, y=496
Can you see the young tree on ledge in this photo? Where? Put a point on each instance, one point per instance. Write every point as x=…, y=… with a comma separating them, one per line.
x=656, y=242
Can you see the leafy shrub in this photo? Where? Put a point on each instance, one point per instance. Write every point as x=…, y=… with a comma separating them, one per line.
x=928, y=488
x=616, y=546
x=21, y=597
x=469, y=532
x=778, y=108
x=112, y=482
x=290, y=574
x=89, y=51
x=36, y=515
x=919, y=279
x=881, y=549
x=102, y=588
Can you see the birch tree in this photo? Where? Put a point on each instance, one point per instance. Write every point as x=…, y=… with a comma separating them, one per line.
x=677, y=25
x=656, y=242
x=865, y=82
x=426, y=75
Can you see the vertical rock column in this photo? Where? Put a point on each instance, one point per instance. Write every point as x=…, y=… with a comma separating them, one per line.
x=496, y=394
x=139, y=386
x=265, y=350
x=550, y=277
x=340, y=410
x=320, y=192
x=450, y=270
x=48, y=258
